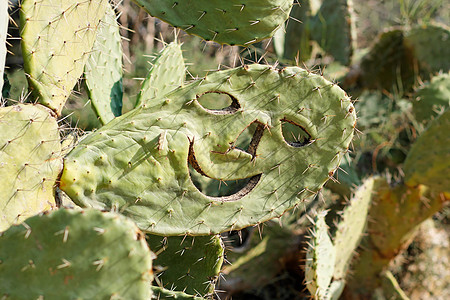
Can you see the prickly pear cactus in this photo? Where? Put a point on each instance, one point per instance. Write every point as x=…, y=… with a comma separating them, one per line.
x=320, y=259
x=57, y=37
x=167, y=73
x=30, y=161
x=226, y=22
x=432, y=97
x=160, y=293
x=429, y=158
x=152, y=147
x=3, y=32
x=191, y=264
x=74, y=254
x=103, y=69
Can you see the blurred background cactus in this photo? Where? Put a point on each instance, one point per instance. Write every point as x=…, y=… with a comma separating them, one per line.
x=221, y=168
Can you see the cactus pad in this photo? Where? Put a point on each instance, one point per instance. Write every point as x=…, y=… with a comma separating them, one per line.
x=3, y=32
x=57, y=37
x=190, y=264
x=167, y=73
x=428, y=161
x=74, y=254
x=151, y=147
x=162, y=293
x=103, y=70
x=226, y=22
x=30, y=161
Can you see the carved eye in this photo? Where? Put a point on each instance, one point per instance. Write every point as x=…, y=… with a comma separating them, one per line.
x=294, y=135
x=218, y=103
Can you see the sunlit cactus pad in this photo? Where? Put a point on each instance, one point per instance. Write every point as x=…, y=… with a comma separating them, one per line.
x=57, y=37
x=74, y=254
x=139, y=162
x=227, y=22
x=30, y=161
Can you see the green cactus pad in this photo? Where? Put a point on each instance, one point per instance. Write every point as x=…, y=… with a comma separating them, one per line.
x=3, y=32
x=74, y=254
x=428, y=161
x=57, y=37
x=167, y=73
x=320, y=259
x=432, y=98
x=139, y=161
x=333, y=27
x=351, y=228
x=103, y=69
x=162, y=293
x=189, y=264
x=225, y=22
x=30, y=162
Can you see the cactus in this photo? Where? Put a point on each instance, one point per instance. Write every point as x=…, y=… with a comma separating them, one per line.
x=167, y=73
x=188, y=264
x=162, y=293
x=57, y=37
x=225, y=22
x=429, y=157
x=432, y=97
x=320, y=259
x=30, y=162
x=3, y=32
x=103, y=69
x=151, y=149
x=70, y=254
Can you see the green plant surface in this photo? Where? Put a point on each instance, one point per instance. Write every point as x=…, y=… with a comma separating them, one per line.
x=30, y=162
x=225, y=22
x=57, y=37
x=4, y=17
x=103, y=69
x=152, y=146
x=428, y=161
x=162, y=293
x=74, y=254
x=188, y=264
x=167, y=73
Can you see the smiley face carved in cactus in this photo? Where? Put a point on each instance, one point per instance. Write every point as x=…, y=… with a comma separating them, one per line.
x=139, y=163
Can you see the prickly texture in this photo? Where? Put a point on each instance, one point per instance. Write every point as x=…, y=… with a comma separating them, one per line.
x=320, y=259
x=57, y=37
x=432, y=98
x=225, y=22
x=4, y=19
x=401, y=207
x=429, y=158
x=189, y=264
x=431, y=59
x=73, y=254
x=350, y=229
x=103, y=69
x=152, y=147
x=162, y=293
x=333, y=27
x=30, y=162
x=167, y=73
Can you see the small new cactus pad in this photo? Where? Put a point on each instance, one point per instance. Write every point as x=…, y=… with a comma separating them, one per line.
x=75, y=254
x=227, y=22
x=431, y=44
x=320, y=259
x=4, y=19
x=350, y=229
x=103, y=69
x=428, y=161
x=162, y=293
x=167, y=73
x=334, y=29
x=153, y=146
x=57, y=37
x=189, y=264
x=432, y=97
x=30, y=162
